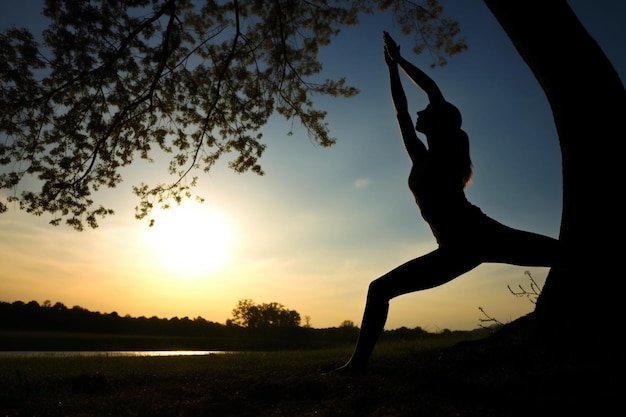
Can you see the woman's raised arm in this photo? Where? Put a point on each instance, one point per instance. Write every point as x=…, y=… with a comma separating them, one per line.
x=414, y=147
x=416, y=75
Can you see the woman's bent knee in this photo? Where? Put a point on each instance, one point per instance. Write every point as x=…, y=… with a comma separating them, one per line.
x=379, y=290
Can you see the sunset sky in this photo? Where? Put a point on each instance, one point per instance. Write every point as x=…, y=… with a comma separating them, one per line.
x=323, y=222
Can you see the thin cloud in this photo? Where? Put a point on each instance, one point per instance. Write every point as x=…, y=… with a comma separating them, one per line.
x=362, y=182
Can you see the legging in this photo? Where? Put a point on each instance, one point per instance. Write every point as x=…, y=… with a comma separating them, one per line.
x=490, y=242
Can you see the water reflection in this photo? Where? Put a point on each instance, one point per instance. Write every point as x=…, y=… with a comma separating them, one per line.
x=29, y=354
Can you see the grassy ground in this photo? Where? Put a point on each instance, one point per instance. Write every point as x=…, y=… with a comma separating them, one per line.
x=404, y=379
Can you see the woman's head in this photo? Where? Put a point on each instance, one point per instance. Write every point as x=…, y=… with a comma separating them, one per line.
x=438, y=117
x=441, y=123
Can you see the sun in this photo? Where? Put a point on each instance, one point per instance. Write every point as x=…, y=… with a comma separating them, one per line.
x=190, y=240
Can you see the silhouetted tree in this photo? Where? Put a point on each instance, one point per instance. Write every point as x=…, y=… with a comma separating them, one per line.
x=347, y=323
x=589, y=106
x=251, y=315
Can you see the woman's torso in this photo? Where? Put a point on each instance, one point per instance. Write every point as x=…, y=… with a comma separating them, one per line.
x=439, y=193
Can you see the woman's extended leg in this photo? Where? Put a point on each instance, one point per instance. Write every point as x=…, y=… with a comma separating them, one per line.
x=504, y=244
x=431, y=270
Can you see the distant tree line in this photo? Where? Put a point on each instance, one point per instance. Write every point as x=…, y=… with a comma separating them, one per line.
x=266, y=326
x=57, y=317
x=262, y=326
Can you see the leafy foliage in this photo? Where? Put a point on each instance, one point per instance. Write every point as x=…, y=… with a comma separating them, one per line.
x=114, y=81
x=251, y=315
x=431, y=32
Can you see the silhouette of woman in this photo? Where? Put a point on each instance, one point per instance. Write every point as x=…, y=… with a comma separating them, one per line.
x=439, y=174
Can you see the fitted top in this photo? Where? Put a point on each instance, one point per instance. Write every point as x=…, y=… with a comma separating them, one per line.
x=440, y=195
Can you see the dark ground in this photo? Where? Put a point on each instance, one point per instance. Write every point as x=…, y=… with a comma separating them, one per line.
x=492, y=377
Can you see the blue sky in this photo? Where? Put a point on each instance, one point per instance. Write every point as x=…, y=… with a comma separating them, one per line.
x=323, y=222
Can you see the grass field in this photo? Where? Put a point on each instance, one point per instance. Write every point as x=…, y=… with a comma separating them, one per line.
x=404, y=379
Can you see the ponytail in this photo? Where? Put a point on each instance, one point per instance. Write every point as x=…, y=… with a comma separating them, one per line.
x=464, y=160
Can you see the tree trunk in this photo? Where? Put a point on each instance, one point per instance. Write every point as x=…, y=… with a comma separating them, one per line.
x=589, y=107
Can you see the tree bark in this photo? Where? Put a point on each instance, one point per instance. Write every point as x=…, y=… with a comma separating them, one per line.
x=588, y=103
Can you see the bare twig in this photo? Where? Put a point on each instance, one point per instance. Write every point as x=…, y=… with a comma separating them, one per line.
x=488, y=319
x=532, y=293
